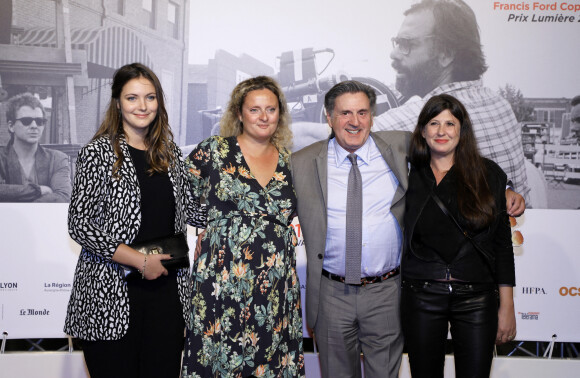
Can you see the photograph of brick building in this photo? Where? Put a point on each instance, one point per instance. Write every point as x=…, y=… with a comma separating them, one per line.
x=65, y=52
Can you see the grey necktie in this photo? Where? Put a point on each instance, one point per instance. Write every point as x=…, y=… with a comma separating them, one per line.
x=353, y=223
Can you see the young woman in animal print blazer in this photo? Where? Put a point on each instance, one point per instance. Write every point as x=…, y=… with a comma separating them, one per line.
x=130, y=186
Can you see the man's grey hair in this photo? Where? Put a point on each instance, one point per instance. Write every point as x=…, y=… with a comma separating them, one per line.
x=349, y=86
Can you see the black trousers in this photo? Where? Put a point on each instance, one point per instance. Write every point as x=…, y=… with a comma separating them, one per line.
x=471, y=309
x=153, y=345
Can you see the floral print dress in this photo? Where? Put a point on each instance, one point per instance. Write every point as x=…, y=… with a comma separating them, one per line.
x=245, y=316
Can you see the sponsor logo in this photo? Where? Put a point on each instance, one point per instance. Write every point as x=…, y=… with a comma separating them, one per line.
x=298, y=231
x=529, y=315
x=533, y=290
x=34, y=312
x=571, y=291
x=57, y=286
x=8, y=286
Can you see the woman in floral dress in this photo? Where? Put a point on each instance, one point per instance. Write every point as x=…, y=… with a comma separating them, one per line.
x=245, y=315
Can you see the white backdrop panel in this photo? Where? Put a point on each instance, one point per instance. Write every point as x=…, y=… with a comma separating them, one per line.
x=547, y=298
x=38, y=260
x=37, y=264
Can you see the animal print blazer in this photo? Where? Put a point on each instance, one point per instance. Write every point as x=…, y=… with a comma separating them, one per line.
x=104, y=212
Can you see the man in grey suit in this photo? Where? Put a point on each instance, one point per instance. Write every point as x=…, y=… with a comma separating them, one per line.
x=350, y=318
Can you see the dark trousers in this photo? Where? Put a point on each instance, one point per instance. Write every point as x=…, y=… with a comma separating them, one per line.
x=471, y=309
x=153, y=345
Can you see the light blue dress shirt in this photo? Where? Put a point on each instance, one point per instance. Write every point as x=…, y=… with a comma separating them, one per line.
x=381, y=233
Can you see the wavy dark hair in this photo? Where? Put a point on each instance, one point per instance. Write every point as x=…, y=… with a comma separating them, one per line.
x=159, y=136
x=456, y=32
x=14, y=104
x=23, y=99
x=475, y=200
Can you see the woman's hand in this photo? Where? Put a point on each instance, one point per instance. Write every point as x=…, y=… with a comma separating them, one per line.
x=149, y=266
x=153, y=268
x=506, y=325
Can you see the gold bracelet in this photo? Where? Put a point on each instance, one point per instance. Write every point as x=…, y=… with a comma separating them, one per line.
x=144, y=266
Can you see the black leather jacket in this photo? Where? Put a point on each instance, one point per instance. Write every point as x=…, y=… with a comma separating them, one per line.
x=421, y=261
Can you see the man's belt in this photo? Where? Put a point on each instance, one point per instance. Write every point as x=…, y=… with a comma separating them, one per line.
x=364, y=280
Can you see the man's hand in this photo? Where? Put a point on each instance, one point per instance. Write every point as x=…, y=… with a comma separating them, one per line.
x=515, y=204
x=45, y=190
x=198, y=245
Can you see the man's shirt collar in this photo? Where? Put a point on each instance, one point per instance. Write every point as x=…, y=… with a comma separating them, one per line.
x=364, y=153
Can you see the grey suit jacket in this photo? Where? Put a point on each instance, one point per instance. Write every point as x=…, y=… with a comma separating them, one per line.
x=309, y=172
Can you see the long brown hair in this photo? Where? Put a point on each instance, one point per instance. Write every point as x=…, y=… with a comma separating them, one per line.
x=476, y=203
x=230, y=124
x=159, y=136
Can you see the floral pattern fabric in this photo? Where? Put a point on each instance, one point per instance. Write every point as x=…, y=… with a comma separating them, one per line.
x=245, y=317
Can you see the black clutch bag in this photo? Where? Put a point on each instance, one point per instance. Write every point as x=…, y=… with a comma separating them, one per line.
x=175, y=245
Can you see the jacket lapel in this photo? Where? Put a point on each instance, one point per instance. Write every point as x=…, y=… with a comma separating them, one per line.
x=42, y=163
x=13, y=166
x=321, y=162
x=127, y=168
x=398, y=165
x=397, y=162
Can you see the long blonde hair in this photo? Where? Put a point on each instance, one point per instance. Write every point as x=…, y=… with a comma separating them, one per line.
x=230, y=124
x=159, y=136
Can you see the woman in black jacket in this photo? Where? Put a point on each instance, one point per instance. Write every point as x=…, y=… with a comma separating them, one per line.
x=458, y=254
